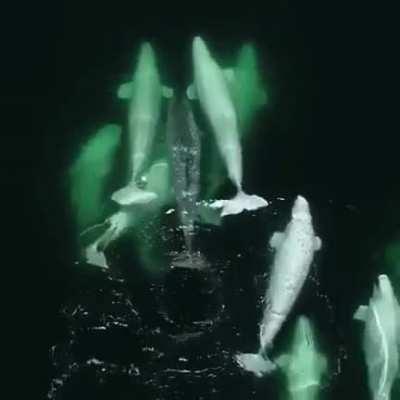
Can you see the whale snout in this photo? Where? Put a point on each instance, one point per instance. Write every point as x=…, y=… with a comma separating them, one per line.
x=146, y=56
x=304, y=330
x=384, y=284
x=301, y=208
x=199, y=48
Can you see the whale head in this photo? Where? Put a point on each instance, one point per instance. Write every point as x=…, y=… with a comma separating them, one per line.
x=384, y=285
x=200, y=51
x=304, y=332
x=147, y=59
x=300, y=209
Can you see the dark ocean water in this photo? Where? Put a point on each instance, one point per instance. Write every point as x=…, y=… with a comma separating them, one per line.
x=325, y=134
x=173, y=336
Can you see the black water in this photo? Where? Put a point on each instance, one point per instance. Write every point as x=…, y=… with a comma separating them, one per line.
x=326, y=134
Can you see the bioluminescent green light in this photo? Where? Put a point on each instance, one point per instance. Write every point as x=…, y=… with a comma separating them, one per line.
x=303, y=366
x=247, y=88
x=88, y=175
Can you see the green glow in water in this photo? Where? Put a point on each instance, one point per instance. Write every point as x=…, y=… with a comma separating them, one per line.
x=88, y=175
x=304, y=366
x=248, y=92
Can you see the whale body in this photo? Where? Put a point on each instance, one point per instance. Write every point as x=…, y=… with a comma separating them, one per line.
x=294, y=252
x=381, y=338
x=144, y=93
x=211, y=88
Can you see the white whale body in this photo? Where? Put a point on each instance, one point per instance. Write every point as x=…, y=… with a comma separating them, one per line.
x=211, y=88
x=294, y=252
x=381, y=338
x=144, y=93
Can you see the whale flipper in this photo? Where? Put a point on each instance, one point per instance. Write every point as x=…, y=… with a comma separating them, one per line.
x=191, y=92
x=94, y=256
x=255, y=363
x=283, y=360
x=317, y=243
x=125, y=91
x=242, y=201
x=131, y=194
x=361, y=313
x=276, y=239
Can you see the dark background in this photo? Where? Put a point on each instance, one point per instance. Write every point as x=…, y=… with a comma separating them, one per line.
x=327, y=132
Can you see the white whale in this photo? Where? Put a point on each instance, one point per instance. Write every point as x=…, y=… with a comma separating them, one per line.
x=381, y=339
x=144, y=93
x=211, y=88
x=295, y=248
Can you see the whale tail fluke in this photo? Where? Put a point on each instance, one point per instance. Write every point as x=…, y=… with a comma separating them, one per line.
x=131, y=194
x=117, y=223
x=190, y=260
x=242, y=201
x=258, y=364
x=95, y=256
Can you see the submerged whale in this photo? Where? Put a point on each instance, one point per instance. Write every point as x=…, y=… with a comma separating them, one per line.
x=294, y=252
x=304, y=365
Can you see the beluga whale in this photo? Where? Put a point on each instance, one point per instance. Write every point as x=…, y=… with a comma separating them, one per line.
x=294, y=253
x=144, y=93
x=211, y=87
x=381, y=338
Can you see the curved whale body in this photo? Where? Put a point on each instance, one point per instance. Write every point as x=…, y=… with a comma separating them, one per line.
x=211, y=88
x=381, y=339
x=294, y=252
x=144, y=93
